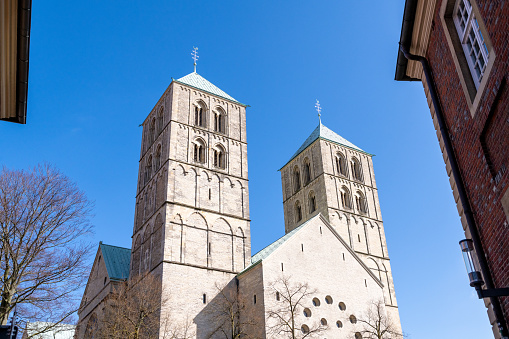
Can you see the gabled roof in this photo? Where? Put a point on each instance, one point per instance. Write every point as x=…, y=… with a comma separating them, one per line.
x=267, y=251
x=264, y=253
x=197, y=81
x=322, y=132
x=117, y=261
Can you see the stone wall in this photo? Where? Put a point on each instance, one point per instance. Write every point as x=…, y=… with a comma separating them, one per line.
x=315, y=256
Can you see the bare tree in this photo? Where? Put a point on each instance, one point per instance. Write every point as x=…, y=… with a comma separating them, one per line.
x=230, y=316
x=43, y=218
x=377, y=324
x=290, y=303
x=133, y=311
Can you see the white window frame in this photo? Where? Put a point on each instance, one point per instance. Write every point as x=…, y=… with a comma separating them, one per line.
x=470, y=35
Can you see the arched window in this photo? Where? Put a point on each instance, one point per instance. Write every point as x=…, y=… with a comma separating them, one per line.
x=199, y=151
x=219, y=157
x=219, y=120
x=148, y=169
x=356, y=169
x=307, y=171
x=298, y=211
x=312, y=202
x=360, y=202
x=152, y=131
x=158, y=158
x=341, y=164
x=296, y=179
x=160, y=119
x=146, y=257
x=345, y=198
x=199, y=114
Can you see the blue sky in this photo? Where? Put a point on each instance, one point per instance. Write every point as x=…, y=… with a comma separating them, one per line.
x=98, y=67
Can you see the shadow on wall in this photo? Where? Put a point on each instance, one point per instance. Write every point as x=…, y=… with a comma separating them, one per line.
x=214, y=321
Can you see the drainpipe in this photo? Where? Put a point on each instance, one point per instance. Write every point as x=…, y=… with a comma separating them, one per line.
x=471, y=224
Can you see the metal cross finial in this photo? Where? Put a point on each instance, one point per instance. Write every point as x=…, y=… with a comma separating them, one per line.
x=194, y=53
x=318, y=109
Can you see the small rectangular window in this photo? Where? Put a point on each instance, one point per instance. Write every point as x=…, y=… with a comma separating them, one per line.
x=302, y=247
x=254, y=298
x=282, y=269
x=204, y=298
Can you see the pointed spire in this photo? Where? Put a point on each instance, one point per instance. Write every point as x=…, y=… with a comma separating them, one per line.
x=194, y=53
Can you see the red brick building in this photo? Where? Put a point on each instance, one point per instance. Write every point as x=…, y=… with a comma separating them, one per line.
x=459, y=49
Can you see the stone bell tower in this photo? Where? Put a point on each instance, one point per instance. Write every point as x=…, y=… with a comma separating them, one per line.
x=192, y=224
x=330, y=175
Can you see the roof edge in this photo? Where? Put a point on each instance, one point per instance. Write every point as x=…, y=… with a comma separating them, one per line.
x=336, y=234
x=334, y=142
x=124, y=248
x=202, y=90
x=407, y=28
x=250, y=267
x=361, y=262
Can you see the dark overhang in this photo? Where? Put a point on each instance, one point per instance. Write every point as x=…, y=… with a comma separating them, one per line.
x=24, y=19
x=405, y=39
x=24, y=11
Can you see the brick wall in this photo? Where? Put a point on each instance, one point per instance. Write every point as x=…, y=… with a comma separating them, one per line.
x=480, y=136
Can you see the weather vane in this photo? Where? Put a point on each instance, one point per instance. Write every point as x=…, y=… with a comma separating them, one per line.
x=194, y=53
x=318, y=109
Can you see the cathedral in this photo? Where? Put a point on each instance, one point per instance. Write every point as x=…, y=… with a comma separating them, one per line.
x=192, y=227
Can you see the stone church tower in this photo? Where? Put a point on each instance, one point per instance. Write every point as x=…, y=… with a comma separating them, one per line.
x=330, y=175
x=192, y=227
x=192, y=222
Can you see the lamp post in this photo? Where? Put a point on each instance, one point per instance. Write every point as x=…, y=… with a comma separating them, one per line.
x=475, y=277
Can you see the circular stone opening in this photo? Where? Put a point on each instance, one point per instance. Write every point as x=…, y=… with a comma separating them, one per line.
x=316, y=302
x=307, y=312
x=328, y=299
x=339, y=324
x=353, y=319
x=342, y=306
x=323, y=321
x=304, y=329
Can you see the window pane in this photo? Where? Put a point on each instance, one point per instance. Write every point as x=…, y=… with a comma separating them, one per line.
x=481, y=62
x=478, y=71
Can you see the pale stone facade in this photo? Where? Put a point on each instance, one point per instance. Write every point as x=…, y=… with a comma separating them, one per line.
x=192, y=212
x=192, y=226
x=356, y=217
x=318, y=256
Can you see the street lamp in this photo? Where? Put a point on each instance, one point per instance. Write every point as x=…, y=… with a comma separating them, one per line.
x=467, y=247
x=476, y=280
